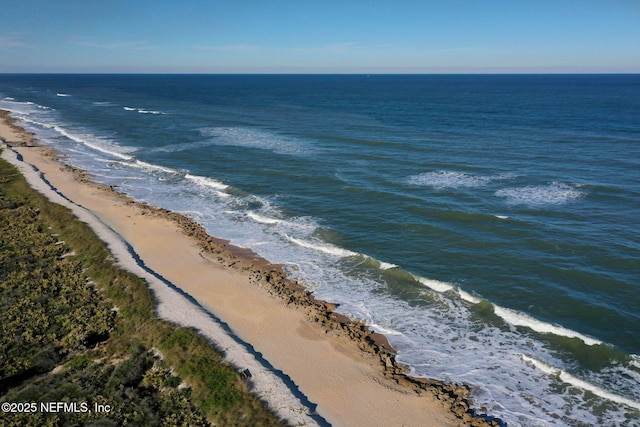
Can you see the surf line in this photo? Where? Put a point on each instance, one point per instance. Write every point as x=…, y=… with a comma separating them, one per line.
x=510, y=316
x=577, y=382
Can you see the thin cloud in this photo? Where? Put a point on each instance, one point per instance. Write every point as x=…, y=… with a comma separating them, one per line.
x=12, y=41
x=456, y=49
x=230, y=48
x=330, y=48
x=341, y=47
x=117, y=45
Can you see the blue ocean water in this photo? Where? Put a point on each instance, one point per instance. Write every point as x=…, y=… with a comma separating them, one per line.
x=487, y=224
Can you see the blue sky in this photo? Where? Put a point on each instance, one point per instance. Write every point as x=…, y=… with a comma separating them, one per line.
x=330, y=36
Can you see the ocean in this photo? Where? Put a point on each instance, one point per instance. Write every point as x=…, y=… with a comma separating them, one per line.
x=488, y=225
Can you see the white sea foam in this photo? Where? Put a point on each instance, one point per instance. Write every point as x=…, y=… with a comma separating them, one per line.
x=334, y=250
x=436, y=285
x=16, y=108
x=95, y=143
x=512, y=317
x=386, y=265
x=323, y=247
x=63, y=94
x=143, y=111
x=635, y=360
x=207, y=182
x=175, y=147
x=44, y=120
x=155, y=168
x=444, y=179
x=382, y=330
x=555, y=193
x=151, y=112
x=254, y=138
x=577, y=382
x=466, y=296
x=520, y=319
x=502, y=216
x=107, y=151
x=263, y=219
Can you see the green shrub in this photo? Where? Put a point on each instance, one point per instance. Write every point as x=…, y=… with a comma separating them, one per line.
x=61, y=338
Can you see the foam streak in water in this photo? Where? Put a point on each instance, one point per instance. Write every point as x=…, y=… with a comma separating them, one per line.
x=556, y=193
x=577, y=382
x=444, y=179
x=245, y=137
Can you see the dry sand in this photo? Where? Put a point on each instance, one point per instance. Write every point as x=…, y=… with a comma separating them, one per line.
x=307, y=375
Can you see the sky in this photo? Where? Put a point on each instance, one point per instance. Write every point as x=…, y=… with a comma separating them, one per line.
x=320, y=36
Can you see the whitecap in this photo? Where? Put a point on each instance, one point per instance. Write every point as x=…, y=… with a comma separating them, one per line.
x=63, y=94
x=14, y=107
x=207, y=182
x=386, y=265
x=435, y=285
x=143, y=111
x=323, y=247
x=521, y=319
x=151, y=112
x=263, y=219
x=466, y=296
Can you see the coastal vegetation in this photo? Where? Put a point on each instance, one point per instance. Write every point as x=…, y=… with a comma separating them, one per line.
x=76, y=328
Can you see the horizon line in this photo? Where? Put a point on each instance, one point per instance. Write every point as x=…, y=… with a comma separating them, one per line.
x=282, y=73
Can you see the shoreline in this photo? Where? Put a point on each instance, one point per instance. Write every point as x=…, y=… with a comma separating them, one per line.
x=339, y=368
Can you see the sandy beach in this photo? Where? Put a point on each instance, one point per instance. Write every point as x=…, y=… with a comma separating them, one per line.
x=313, y=366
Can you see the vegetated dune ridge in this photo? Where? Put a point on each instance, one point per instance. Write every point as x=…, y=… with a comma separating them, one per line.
x=81, y=343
